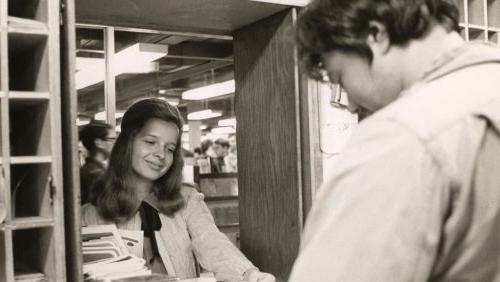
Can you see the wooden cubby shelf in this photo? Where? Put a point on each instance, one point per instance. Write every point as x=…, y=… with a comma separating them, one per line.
x=31, y=148
x=29, y=96
x=476, y=11
x=31, y=191
x=29, y=71
x=29, y=9
x=33, y=253
x=493, y=7
x=477, y=33
x=460, y=4
x=480, y=20
x=30, y=127
x=31, y=222
x=31, y=160
x=26, y=26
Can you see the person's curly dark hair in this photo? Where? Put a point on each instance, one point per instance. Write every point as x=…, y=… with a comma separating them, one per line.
x=328, y=25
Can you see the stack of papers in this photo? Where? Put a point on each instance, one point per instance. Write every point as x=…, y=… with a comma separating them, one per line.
x=106, y=255
x=115, y=268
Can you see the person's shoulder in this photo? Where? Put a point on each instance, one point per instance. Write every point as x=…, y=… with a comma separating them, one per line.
x=189, y=191
x=430, y=108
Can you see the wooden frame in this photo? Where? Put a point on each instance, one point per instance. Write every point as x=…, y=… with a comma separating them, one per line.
x=32, y=234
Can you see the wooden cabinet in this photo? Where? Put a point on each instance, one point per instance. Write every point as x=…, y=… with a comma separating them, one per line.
x=32, y=233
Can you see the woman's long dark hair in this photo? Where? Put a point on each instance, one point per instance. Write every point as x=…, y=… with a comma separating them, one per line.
x=117, y=199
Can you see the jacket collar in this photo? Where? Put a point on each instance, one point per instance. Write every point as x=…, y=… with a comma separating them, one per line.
x=468, y=54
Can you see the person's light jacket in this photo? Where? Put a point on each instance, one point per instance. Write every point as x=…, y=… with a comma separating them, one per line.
x=415, y=196
x=190, y=231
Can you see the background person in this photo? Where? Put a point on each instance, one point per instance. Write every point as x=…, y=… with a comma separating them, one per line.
x=143, y=190
x=98, y=139
x=415, y=194
x=207, y=148
x=221, y=148
x=231, y=160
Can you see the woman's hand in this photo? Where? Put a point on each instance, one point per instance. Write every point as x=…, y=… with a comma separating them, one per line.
x=254, y=275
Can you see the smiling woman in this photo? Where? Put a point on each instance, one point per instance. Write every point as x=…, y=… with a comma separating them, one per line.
x=143, y=190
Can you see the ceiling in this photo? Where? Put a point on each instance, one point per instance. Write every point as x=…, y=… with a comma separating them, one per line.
x=220, y=17
x=198, y=35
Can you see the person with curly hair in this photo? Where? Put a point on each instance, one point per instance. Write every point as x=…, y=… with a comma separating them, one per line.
x=414, y=196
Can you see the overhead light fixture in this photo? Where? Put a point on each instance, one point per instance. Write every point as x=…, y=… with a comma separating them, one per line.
x=144, y=52
x=227, y=122
x=209, y=91
x=204, y=114
x=137, y=58
x=80, y=122
x=102, y=115
x=89, y=71
x=185, y=127
x=298, y=3
x=223, y=130
x=171, y=101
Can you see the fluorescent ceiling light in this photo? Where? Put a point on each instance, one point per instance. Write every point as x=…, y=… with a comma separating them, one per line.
x=227, y=122
x=204, y=114
x=299, y=3
x=209, y=91
x=146, y=52
x=137, y=58
x=223, y=130
x=80, y=122
x=171, y=101
x=89, y=71
x=102, y=115
x=185, y=127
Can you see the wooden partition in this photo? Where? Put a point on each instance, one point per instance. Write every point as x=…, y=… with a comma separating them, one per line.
x=267, y=108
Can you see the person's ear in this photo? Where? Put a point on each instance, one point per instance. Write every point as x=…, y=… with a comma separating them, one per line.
x=378, y=39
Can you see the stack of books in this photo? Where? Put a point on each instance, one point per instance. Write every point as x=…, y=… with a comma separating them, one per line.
x=107, y=257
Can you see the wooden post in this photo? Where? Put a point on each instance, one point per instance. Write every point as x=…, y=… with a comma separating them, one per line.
x=267, y=107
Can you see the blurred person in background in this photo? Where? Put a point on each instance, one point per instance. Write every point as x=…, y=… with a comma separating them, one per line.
x=98, y=139
x=207, y=148
x=221, y=148
x=231, y=160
